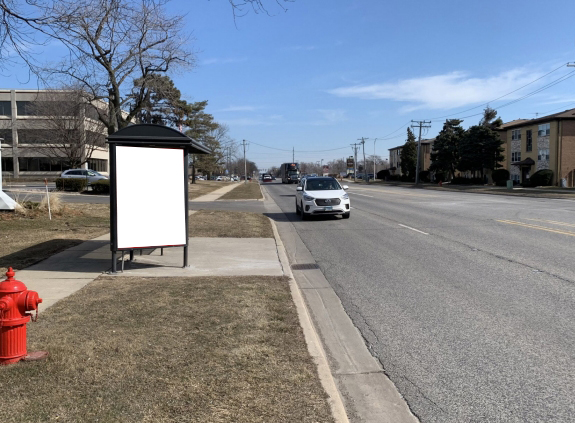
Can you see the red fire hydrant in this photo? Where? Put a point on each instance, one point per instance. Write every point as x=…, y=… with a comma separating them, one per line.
x=15, y=303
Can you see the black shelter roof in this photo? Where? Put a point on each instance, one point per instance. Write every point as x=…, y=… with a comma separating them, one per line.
x=149, y=135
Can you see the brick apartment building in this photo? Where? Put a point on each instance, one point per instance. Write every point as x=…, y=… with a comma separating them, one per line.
x=424, y=157
x=546, y=142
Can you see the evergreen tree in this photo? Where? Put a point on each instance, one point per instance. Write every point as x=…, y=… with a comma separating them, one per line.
x=481, y=147
x=408, y=156
x=445, y=153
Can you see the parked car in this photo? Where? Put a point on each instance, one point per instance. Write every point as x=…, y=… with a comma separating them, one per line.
x=320, y=196
x=219, y=178
x=89, y=174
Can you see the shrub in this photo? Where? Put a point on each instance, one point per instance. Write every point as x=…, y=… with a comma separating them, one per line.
x=393, y=178
x=541, y=178
x=56, y=204
x=424, y=176
x=441, y=176
x=71, y=184
x=383, y=174
x=101, y=187
x=500, y=176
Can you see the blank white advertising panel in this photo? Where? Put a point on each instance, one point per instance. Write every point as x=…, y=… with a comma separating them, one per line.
x=150, y=192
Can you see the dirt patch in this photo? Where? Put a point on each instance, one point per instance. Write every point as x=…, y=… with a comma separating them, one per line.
x=226, y=224
x=204, y=187
x=249, y=191
x=196, y=350
x=28, y=238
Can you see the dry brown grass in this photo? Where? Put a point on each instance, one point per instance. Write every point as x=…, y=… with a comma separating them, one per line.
x=29, y=237
x=196, y=350
x=249, y=191
x=204, y=187
x=226, y=224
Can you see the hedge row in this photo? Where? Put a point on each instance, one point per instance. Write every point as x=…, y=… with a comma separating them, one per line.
x=101, y=187
x=71, y=184
x=541, y=178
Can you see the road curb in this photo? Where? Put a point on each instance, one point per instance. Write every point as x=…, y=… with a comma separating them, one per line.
x=313, y=342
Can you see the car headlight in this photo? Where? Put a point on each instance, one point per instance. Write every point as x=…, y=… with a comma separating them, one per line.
x=345, y=197
x=308, y=197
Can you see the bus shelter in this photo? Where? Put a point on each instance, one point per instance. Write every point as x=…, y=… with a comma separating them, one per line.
x=149, y=189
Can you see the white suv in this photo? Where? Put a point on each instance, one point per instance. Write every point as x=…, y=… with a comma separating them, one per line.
x=321, y=195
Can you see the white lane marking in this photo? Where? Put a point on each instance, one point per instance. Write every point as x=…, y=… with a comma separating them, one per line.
x=363, y=195
x=413, y=229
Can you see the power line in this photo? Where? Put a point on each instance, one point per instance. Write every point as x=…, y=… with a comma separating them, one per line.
x=537, y=91
x=299, y=151
x=499, y=98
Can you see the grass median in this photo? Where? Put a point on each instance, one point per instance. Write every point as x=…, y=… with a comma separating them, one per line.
x=29, y=236
x=200, y=187
x=249, y=191
x=213, y=349
x=226, y=224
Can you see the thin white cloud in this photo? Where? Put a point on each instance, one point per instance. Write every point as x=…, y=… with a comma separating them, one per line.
x=237, y=109
x=451, y=90
x=301, y=48
x=329, y=116
x=222, y=61
x=559, y=100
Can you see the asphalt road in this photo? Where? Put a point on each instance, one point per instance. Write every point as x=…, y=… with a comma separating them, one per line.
x=466, y=299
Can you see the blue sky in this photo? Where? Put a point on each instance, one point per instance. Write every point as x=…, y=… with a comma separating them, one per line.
x=326, y=73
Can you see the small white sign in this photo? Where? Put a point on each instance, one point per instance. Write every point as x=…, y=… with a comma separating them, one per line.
x=150, y=192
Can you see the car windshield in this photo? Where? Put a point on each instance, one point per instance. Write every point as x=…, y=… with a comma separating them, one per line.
x=322, y=185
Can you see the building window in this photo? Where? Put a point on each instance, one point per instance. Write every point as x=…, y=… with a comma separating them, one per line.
x=516, y=157
x=99, y=165
x=6, y=135
x=529, y=141
x=544, y=129
x=5, y=108
x=42, y=164
x=516, y=134
x=33, y=136
x=24, y=108
x=515, y=178
x=543, y=154
x=7, y=164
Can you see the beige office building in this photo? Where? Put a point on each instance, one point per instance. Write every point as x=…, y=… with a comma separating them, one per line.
x=21, y=130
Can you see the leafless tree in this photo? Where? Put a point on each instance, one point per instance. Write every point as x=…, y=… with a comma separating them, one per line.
x=242, y=7
x=69, y=126
x=111, y=43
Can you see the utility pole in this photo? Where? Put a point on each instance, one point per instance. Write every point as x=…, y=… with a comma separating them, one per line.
x=244, y=143
x=374, y=174
x=365, y=177
x=354, y=148
x=293, y=154
x=420, y=124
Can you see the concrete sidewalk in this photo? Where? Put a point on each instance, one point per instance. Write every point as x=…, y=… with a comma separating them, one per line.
x=67, y=272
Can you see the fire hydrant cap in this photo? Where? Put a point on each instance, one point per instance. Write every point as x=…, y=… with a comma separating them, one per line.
x=32, y=301
x=11, y=285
